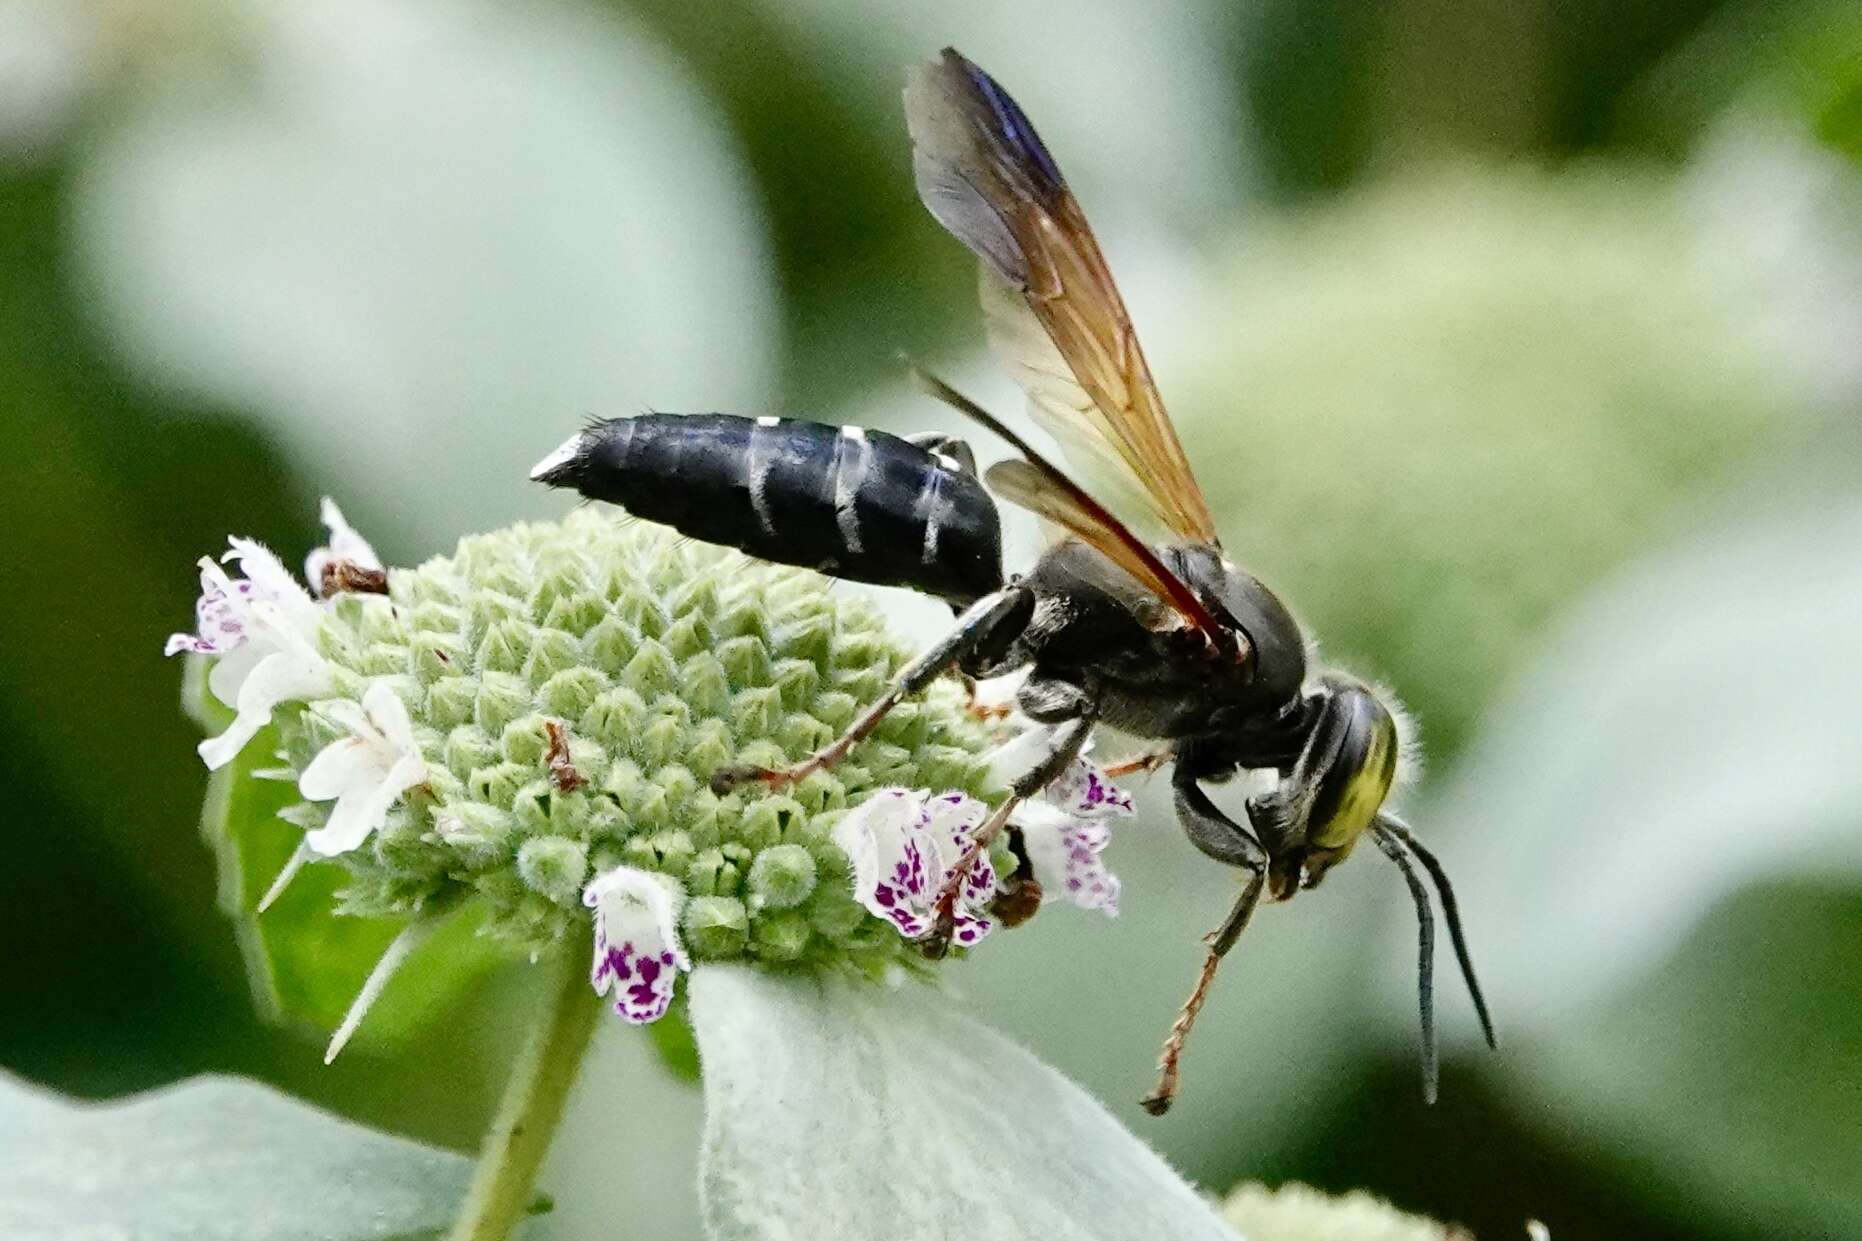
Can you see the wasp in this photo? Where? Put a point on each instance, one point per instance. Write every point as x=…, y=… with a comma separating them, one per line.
x=1134, y=618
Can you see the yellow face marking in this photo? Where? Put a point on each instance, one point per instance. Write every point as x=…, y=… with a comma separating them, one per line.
x=1367, y=769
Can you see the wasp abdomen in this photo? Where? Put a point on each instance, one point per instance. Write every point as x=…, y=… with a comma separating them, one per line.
x=853, y=503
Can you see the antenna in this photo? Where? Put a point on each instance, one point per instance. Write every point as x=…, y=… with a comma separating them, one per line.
x=1450, y=911
x=1392, y=845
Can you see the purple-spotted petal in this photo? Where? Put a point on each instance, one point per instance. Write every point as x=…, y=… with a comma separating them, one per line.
x=952, y=820
x=220, y=615
x=225, y=619
x=901, y=845
x=637, y=953
x=1084, y=790
x=892, y=859
x=1065, y=852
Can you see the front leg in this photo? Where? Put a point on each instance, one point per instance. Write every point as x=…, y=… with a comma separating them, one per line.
x=985, y=629
x=1211, y=831
x=1215, y=834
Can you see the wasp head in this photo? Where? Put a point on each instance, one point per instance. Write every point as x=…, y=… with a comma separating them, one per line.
x=1345, y=770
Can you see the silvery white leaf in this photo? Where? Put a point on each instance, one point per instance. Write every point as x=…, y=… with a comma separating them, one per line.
x=213, y=1159
x=425, y=240
x=1692, y=731
x=840, y=1110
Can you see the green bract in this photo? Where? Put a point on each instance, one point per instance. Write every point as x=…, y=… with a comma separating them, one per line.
x=573, y=686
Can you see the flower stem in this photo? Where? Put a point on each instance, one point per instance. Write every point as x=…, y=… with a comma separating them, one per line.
x=513, y=1151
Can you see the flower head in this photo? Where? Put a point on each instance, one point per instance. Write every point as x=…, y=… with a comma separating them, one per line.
x=546, y=706
x=533, y=722
x=364, y=772
x=637, y=951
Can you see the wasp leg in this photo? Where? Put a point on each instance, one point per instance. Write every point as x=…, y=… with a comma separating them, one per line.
x=1144, y=764
x=1215, y=834
x=1068, y=740
x=988, y=625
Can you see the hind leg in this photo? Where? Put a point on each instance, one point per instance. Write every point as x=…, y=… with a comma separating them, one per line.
x=985, y=629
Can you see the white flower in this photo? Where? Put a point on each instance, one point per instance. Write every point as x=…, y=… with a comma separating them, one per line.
x=365, y=772
x=344, y=544
x=637, y=952
x=902, y=844
x=1082, y=789
x=1065, y=830
x=835, y=1108
x=274, y=663
x=261, y=630
x=224, y=612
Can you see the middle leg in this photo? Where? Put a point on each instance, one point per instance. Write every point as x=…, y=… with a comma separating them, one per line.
x=1069, y=709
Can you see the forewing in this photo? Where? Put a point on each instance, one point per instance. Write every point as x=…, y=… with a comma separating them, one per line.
x=1055, y=314
x=1041, y=493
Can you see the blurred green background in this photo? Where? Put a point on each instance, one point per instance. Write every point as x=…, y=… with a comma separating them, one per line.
x=1518, y=343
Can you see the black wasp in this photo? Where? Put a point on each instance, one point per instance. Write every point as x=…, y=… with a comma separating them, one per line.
x=1159, y=636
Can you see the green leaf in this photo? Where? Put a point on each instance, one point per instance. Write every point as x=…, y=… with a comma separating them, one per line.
x=1690, y=737
x=305, y=961
x=1448, y=403
x=213, y=1159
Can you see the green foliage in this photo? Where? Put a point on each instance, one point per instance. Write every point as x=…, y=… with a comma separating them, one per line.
x=1798, y=62
x=1658, y=849
x=1433, y=413
x=214, y=1159
x=1724, y=1080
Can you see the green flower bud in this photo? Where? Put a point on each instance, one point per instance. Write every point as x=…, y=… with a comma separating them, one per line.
x=554, y=867
x=781, y=936
x=716, y=927
x=782, y=877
